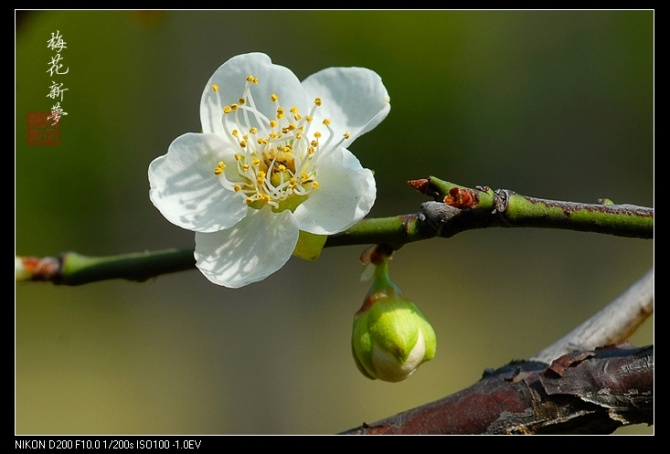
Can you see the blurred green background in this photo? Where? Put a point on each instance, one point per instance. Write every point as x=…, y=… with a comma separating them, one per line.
x=554, y=104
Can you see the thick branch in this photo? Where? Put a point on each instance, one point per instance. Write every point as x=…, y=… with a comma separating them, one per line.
x=584, y=392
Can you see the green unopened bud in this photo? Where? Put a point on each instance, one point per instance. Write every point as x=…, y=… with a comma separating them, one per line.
x=391, y=337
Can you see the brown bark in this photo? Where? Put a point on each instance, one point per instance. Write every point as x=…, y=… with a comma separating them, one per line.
x=582, y=392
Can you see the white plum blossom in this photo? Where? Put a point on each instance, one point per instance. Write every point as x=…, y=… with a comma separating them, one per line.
x=270, y=166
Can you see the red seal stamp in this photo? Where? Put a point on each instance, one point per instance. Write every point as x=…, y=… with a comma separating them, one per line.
x=42, y=129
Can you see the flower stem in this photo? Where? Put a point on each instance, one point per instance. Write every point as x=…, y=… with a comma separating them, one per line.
x=455, y=209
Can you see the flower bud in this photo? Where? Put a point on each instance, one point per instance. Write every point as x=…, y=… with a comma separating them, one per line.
x=391, y=337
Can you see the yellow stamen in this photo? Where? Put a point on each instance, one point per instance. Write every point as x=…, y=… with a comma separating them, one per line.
x=219, y=169
x=278, y=163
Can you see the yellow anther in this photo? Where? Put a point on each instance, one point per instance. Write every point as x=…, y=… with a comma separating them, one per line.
x=298, y=136
x=245, y=167
x=274, y=97
x=280, y=113
x=326, y=121
x=253, y=130
x=234, y=132
x=317, y=135
x=252, y=79
x=219, y=168
x=234, y=106
x=315, y=185
x=273, y=124
x=263, y=141
x=238, y=157
x=227, y=109
x=281, y=167
x=347, y=135
x=308, y=118
x=243, y=144
x=237, y=188
x=310, y=150
x=291, y=126
x=242, y=101
x=215, y=88
x=317, y=101
x=249, y=200
x=256, y=162
x=314, y=143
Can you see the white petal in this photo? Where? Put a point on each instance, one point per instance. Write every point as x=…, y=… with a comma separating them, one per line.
x=354, y=99
x=346, y=194
x=230, y=79
x=185, y=189
x=250, y=251
x=387, y=367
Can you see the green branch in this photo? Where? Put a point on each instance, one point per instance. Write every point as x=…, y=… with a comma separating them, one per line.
x=71, y=268
x=484, y=207
x=455, y=209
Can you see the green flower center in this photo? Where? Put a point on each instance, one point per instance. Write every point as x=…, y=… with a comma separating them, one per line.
x=277, y=162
